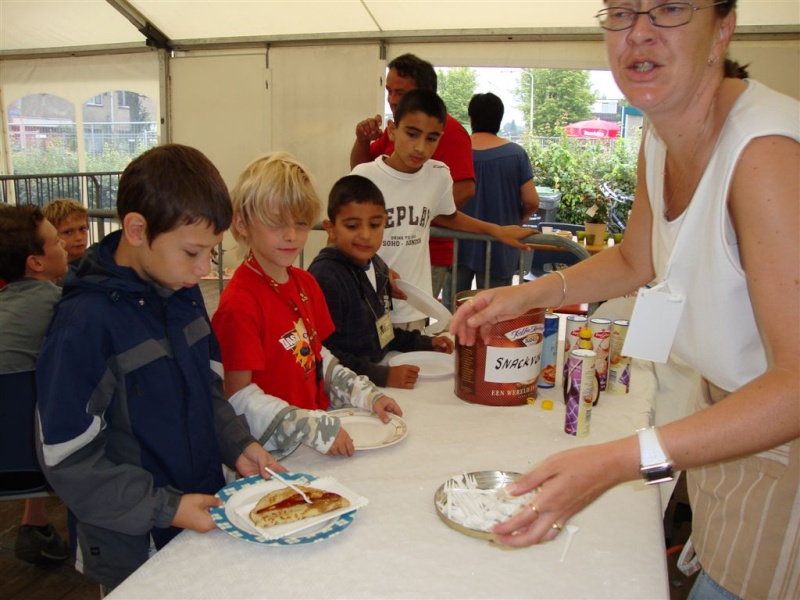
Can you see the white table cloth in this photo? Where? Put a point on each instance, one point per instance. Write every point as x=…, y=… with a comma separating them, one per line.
x=397, y=547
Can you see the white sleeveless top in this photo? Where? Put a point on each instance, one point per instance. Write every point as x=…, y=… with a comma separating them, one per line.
x=698, y=253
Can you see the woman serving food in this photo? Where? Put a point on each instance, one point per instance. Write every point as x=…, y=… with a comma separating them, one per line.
x=714, y=222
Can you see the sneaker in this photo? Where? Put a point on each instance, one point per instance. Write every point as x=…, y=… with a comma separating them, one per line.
x=36, y=544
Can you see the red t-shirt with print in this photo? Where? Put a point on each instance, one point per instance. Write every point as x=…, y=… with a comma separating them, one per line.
x=276, y=333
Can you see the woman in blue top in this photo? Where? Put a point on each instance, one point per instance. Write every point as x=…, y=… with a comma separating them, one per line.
x=504, y=194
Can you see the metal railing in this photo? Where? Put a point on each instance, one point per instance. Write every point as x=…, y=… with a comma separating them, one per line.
x=96, y=191
x=542, y=241
x=93, y=190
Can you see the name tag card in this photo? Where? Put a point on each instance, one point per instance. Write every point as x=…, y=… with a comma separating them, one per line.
x=654, y=324
x=385, y=329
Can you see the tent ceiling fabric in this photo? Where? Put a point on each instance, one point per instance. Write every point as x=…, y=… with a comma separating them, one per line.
x=31, y=24
x=39, y=26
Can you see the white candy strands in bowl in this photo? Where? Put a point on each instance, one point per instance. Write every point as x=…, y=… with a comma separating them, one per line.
x=478, y=501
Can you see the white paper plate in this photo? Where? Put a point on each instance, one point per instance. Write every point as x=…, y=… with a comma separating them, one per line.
x=432, y=365
x=368, y=431
x=424, y=302
x=241, y=495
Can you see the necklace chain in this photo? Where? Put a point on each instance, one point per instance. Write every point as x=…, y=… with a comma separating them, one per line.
x=252, y=263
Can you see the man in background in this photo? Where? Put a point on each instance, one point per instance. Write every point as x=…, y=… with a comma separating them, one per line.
x=408, y=72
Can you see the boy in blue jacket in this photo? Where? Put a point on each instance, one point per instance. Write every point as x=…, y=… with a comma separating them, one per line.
x=134, y=427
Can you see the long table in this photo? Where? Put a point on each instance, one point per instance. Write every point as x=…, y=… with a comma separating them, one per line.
x=397, y=546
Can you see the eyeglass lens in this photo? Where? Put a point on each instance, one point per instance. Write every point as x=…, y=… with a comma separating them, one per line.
x=672, y=14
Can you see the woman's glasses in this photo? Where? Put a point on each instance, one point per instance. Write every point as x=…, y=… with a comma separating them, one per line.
x=671, y=14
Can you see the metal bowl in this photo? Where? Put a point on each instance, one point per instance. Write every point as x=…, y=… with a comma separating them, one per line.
x=486, y=480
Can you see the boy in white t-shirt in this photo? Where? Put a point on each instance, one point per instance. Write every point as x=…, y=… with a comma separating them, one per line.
x=419, y=193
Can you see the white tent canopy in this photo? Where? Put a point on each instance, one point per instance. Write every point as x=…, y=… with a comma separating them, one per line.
x=37, y=27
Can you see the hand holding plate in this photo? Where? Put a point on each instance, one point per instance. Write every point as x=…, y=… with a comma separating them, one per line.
x=193, y=512
x=394, y=277
x=342, y=445
x=569, y=481
x=386, y=405
x=254, y=460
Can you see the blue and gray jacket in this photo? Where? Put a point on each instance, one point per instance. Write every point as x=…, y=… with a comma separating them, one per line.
x=131, y=411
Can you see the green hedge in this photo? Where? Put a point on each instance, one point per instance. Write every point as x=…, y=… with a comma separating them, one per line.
x=577, y=168
x=57, y=157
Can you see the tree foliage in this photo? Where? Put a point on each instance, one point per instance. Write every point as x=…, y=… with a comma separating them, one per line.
x=57, y=157
x=577, y=168
x=456, y=87
x=139, y=112
x=560, y=97
x=54, y=156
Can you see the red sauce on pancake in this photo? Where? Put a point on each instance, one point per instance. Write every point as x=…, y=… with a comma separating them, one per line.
x=295, y=500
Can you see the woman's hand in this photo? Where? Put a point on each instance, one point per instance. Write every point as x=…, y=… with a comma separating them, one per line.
x=489, y=307
x=567, y=482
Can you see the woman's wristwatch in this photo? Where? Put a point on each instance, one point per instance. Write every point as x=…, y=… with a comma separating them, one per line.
x=654, y=465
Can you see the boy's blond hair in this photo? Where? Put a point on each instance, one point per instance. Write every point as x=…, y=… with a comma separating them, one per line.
x=59, y=209
x=275, y=190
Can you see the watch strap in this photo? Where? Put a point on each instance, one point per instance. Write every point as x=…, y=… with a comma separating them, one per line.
x=654, y=465
x=650, y=450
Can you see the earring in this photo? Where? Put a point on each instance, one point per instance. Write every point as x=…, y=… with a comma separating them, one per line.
x=711, y=61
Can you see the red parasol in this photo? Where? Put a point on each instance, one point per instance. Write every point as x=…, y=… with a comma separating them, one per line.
x=593, y=129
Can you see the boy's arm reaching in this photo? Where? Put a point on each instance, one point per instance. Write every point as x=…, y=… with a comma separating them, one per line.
x=339, y=289
x=345, y=388
x=360, y=365
x=508, y=234
x=280, y=427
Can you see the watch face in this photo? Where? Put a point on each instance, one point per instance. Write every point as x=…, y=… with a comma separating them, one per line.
x=660, y=473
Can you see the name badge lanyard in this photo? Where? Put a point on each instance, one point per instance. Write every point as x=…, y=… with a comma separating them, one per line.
x=304, y=314
x=657, y=313
x=383, y=324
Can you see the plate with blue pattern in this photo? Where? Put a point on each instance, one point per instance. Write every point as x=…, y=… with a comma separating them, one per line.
x=240, y=492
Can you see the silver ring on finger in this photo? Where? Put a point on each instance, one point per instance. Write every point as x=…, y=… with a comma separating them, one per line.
x=557, y=527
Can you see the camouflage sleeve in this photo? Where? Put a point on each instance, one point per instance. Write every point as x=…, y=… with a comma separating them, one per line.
x=280, y=427
x=344, y=387
x=315, y=427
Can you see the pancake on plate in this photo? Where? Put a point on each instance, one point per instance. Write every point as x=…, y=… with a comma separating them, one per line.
x=285, y=506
